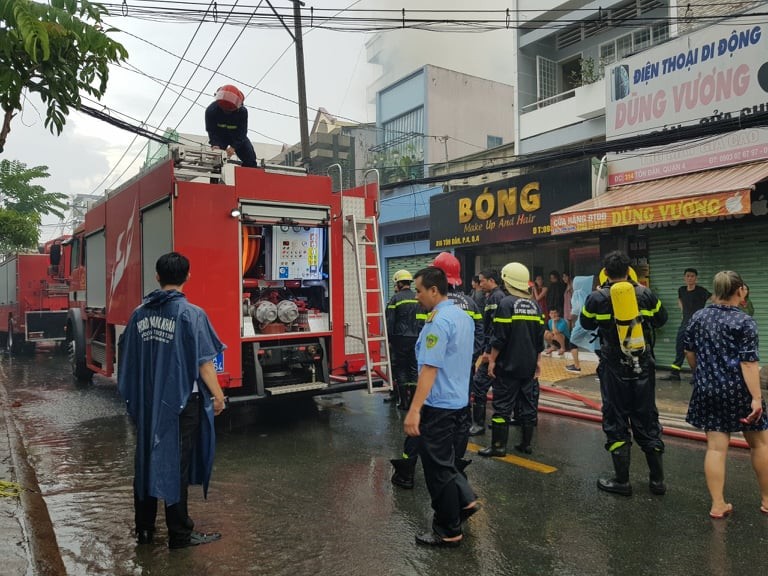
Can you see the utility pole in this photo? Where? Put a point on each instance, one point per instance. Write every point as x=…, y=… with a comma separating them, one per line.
x=303, y=119
x=302, y=87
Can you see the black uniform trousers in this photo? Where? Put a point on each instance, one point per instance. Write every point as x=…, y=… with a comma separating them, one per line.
x=516, y=396
x=481, y=383
x=444, y=435
x=176, y=516
x=679, y=349
x=629, y=400
x=406, y=369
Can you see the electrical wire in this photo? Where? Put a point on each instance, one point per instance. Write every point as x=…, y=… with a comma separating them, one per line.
x=600, y=148
x=178, y=97
x=443, y=20
x=178, y=65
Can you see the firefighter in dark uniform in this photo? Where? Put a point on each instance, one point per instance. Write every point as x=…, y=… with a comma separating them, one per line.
x=481, y=383
x=627, y=384
x=226, y=122
x=405, y=319
x=516, y=346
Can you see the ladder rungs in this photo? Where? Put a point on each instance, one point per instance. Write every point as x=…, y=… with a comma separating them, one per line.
x=366, y=243
x=376, y=338
x=379, y=363
x=371, y=290
x=372, y=314
x=365, y=221
x=369, y=267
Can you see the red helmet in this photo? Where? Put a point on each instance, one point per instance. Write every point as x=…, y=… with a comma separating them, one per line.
x=228, y=97
x=449, y=264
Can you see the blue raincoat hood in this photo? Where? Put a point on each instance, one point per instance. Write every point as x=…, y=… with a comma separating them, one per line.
x=164, y=343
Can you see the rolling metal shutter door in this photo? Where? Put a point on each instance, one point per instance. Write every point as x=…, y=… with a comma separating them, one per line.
x=411, y=263
x=743, y=248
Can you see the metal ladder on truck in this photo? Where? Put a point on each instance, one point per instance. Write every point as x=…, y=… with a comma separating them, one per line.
x=369, y=282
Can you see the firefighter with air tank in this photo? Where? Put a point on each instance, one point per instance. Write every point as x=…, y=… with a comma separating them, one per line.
x=625, y=315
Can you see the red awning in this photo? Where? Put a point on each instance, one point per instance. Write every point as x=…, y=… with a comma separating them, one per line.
x=720, y=192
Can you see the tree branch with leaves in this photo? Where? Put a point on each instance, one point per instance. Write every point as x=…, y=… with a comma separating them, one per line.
x=22, y=204
x=58, y=50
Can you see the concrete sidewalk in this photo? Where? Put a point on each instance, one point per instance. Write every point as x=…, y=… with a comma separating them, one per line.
x=14, y=557
x=28, y=541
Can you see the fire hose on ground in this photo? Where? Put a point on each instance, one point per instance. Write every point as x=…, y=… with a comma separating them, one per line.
x=570, y=413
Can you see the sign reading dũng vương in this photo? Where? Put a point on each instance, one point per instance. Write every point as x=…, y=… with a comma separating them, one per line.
x=714, y=74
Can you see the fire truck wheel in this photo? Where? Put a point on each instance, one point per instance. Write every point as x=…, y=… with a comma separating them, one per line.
x=13, y=343
x=76, y=352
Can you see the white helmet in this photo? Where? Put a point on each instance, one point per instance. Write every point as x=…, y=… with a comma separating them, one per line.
x=516, y=275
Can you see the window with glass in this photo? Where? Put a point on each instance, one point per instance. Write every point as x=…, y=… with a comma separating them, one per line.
x=494, y=141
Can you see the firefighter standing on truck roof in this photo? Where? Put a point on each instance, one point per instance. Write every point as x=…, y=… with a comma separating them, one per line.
x=627, y=380
x=481, y=382
x=226, y=121
x=405, y=318
x=516, y=346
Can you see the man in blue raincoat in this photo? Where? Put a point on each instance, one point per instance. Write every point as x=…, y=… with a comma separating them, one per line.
x=167, y=378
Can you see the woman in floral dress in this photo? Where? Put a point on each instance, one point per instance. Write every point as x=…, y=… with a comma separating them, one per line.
x=721, y=346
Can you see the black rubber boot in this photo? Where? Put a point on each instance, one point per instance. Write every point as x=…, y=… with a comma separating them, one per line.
x=526, y=431
x=405, y=469
x=478, y=420
x=499, y=437
x=619, y=484
x=394, y=395
x=656, y=475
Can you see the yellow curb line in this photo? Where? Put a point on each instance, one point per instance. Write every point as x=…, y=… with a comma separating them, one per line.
x=518, y=461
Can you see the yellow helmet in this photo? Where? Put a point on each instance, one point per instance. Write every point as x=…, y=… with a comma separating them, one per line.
x=603, y=276
x=402, y=276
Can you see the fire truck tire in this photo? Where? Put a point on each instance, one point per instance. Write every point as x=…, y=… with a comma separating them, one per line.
x=15, y=341
x=76, y=349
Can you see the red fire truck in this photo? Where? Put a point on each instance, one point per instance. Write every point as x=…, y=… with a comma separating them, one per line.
x=33, y=297
x=286, y=268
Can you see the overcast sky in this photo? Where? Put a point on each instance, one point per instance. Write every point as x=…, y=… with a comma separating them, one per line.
x=90, y=156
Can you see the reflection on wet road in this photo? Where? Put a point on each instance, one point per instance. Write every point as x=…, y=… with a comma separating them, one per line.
x=303, y=488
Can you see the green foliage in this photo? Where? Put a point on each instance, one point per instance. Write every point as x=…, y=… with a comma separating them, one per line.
x=17, y=231
x=58, y=50
x=589, y=73
x=22, y=204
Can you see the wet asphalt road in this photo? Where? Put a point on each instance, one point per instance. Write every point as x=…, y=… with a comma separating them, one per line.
x=303, y=488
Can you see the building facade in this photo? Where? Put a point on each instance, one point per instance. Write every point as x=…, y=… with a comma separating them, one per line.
x=426, y=119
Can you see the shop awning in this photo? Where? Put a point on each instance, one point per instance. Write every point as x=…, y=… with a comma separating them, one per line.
x=721, y=192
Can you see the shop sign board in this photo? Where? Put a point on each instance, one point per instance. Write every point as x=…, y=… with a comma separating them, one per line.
x=749, y=145
x=672, y=209
x=717, y=73
x=516, y=208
